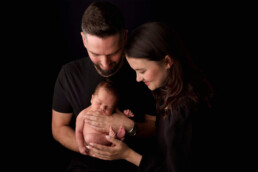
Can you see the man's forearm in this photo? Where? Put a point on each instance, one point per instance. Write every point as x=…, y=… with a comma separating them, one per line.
x=66, y=136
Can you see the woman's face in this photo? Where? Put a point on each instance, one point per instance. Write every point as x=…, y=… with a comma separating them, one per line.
x=152, y=73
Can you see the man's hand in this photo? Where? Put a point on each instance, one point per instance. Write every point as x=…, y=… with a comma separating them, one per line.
x=79, y=132
x=102, y=122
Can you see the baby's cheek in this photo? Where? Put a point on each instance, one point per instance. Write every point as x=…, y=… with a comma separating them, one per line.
x=108, y=112
x=94, y=107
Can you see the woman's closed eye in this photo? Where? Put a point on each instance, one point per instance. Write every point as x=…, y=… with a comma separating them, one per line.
x=141, y=71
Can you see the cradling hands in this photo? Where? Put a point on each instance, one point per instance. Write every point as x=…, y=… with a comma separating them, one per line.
x=118, y=150
x=102, y=123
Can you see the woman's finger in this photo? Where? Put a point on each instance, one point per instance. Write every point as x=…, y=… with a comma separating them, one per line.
x=112, y=140
x=100, y=150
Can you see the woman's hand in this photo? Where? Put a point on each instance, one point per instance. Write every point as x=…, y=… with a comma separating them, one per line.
x=118, y=150
x=102, y=122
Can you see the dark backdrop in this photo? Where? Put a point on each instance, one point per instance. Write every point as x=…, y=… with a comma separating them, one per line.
x=47, y=35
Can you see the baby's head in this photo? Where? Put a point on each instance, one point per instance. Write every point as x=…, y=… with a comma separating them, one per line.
x=105, y=98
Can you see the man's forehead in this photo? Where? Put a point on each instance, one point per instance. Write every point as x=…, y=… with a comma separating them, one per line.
x=103, y=46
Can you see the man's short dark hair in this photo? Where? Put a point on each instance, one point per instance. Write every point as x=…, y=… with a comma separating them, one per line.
x=102, y=19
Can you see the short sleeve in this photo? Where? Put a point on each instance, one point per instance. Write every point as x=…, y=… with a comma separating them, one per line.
x=60, y=102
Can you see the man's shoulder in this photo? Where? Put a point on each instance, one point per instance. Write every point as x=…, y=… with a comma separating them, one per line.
x=77, y=68
x=77, y=63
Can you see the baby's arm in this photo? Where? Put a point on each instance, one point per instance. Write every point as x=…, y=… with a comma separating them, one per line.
x=79, y=132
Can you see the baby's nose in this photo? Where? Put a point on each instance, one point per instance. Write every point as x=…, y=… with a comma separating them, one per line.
x=103, y=108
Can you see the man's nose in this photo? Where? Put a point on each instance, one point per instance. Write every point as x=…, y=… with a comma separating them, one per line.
x=105, y=62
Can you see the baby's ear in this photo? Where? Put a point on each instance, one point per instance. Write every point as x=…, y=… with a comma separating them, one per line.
x=92, y=97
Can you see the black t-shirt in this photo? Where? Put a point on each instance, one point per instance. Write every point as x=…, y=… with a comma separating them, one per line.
x=184, y=141
x=76, y=83
x=78, y=79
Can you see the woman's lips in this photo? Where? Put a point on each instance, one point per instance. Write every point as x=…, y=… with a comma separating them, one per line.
x=146, y=83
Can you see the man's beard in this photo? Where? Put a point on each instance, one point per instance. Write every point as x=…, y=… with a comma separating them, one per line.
x=107, y=73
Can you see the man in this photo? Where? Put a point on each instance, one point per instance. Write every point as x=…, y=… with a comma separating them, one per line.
x=104, y=37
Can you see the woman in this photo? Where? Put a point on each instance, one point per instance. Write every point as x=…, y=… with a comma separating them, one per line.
x=183, y=98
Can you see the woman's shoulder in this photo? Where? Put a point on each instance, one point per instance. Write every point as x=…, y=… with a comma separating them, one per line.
x=187, y=108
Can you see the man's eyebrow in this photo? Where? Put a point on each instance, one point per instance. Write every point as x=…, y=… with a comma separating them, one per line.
x=93, y=53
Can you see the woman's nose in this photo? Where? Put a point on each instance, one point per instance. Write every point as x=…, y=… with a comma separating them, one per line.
x=138, y=78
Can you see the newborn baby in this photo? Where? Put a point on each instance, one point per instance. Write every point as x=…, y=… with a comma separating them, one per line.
x=103, y=100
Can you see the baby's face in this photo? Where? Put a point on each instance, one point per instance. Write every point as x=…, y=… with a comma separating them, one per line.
x=103, y=101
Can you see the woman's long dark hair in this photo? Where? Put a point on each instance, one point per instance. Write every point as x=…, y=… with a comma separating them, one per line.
x=185, y=82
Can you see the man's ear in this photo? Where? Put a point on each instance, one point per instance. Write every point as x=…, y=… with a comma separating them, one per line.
x=83, y=39
x=168, y=61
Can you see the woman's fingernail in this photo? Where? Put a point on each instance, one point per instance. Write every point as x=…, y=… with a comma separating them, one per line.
x=108, y=137
x=91, y=144
x=87, y=147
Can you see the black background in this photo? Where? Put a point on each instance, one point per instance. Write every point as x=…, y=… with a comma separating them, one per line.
x=45, y=35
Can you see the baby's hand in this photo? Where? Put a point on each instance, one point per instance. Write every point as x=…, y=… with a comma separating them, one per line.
x=128, y=113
